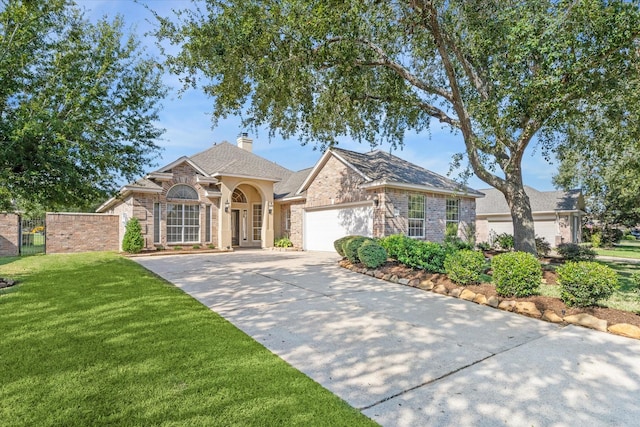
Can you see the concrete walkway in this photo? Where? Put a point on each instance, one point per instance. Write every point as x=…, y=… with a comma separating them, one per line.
x=407, y=357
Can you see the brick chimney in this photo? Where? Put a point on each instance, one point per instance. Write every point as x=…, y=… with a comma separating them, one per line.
x=245, y=142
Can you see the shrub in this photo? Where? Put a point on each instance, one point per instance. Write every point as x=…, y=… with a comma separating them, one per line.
x=542, y=246
x=196, y=247
x=483, y=246
x=372, y=254
x=516, y=274
x=351, y=247
x=133, y=242
x=211, y=246
x=465, y=266
x=505, y=241
x=283, y=242
x=596, y=239
x=584, y=283
x=427, y=256
x=575, y=252
x=339, y=244
x=396, y=245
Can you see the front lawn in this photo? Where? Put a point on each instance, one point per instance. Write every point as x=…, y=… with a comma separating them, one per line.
x=95, y=339
x=624, y=249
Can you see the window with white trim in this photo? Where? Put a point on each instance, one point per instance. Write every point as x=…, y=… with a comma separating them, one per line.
x=287, y=218
x=453, y=211
x=183, y=223
x=183, y=219
x=156, y=223
x=416, y=215
x=257, y=222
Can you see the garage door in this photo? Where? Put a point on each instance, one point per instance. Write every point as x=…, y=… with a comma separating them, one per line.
x=323, y=227
x=543, y=228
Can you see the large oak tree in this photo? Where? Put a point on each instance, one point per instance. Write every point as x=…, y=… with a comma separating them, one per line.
x=78, y=105
x=502, y=73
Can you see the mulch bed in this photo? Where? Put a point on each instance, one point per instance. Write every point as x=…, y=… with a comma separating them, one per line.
x=612, y=316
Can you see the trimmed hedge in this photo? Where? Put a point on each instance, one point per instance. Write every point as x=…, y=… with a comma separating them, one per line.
x=339, y=244
x=575, y=252
x=516, y=274
x=133, y=242
x=465, y=267
x=372, y=254
x=351, y=246
x=417, y=254
x=584, y=283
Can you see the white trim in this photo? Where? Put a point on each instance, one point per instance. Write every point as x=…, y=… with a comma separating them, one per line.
x=160, y=176
x=290, y=199
x=159, y=219
x=212, y=194
x=206, y=179
x=340, y=206
x=420, y=187
x=183, y=159
x=134, y=189
x=257, y=178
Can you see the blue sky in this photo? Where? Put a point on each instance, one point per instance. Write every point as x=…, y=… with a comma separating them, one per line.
x=186, y=116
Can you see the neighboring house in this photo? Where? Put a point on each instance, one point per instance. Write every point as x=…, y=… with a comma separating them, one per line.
x=557, y=215
x=230, y=197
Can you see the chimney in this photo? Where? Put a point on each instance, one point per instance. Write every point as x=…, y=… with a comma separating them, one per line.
x=245, y=142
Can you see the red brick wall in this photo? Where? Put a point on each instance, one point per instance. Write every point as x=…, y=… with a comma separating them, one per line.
x=9, y=234
x=80, y=232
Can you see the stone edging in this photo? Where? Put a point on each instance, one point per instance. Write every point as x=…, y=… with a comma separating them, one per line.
x=520, y=307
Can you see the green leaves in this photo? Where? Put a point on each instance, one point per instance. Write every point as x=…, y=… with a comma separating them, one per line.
x=77, y=105
x=503, y=73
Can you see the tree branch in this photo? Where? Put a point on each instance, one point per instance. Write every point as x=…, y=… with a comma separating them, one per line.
x=387, y=62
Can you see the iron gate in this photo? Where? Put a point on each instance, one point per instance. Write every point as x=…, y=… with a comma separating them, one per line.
x=32, y=236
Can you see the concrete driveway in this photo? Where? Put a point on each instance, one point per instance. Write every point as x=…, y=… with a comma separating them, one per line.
x=406, y=357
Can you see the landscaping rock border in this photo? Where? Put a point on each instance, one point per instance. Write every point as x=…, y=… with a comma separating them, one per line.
x=7, y=283
x=523, y=308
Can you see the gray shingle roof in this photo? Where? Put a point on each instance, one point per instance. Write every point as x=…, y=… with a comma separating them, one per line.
x=289, y=187
x=225, y=158
x=381, y=166
x=144, y=184
x=541, y=201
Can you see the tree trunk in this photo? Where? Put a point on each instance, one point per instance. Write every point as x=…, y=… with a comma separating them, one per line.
x=524, y=235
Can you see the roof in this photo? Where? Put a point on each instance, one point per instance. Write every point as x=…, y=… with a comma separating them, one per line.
x=379, y=168
x=541, y=201
x=227, y=159
x=289, y=187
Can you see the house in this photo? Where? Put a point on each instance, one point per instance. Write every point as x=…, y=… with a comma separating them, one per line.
x=557, y=215
x=230, y=197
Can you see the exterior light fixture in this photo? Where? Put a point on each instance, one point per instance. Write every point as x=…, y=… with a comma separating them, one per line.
x=376, y=201
x=226, y=206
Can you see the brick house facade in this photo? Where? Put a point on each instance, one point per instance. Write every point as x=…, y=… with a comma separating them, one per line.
x=227, y=196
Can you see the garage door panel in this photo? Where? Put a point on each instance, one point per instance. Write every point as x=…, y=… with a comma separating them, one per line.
x=323, y=227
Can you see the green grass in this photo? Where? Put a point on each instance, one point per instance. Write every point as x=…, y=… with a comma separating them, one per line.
x=626, y=297
x=624, y=249
x=94, y=339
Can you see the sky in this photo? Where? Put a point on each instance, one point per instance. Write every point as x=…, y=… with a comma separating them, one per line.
x=187, y=120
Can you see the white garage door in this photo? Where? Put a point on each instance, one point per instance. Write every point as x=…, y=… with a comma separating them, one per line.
x=499, y=227
x=323, y=227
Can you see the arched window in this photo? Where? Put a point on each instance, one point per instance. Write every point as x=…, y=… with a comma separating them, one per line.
x=182, y=192
x=238, y=196
x=183, y=219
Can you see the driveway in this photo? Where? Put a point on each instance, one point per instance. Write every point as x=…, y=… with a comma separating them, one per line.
x=406, y=357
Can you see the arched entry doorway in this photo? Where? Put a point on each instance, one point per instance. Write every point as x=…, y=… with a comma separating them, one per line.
x=247, y=216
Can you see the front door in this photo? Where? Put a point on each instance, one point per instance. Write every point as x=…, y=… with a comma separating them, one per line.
x=235, y=227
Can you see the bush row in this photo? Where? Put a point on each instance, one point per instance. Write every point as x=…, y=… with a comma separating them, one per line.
x=515, y=274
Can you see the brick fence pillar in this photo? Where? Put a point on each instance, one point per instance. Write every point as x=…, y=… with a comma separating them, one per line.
x=9, y=234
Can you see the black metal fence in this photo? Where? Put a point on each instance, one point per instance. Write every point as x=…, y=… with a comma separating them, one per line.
x=33, y=236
